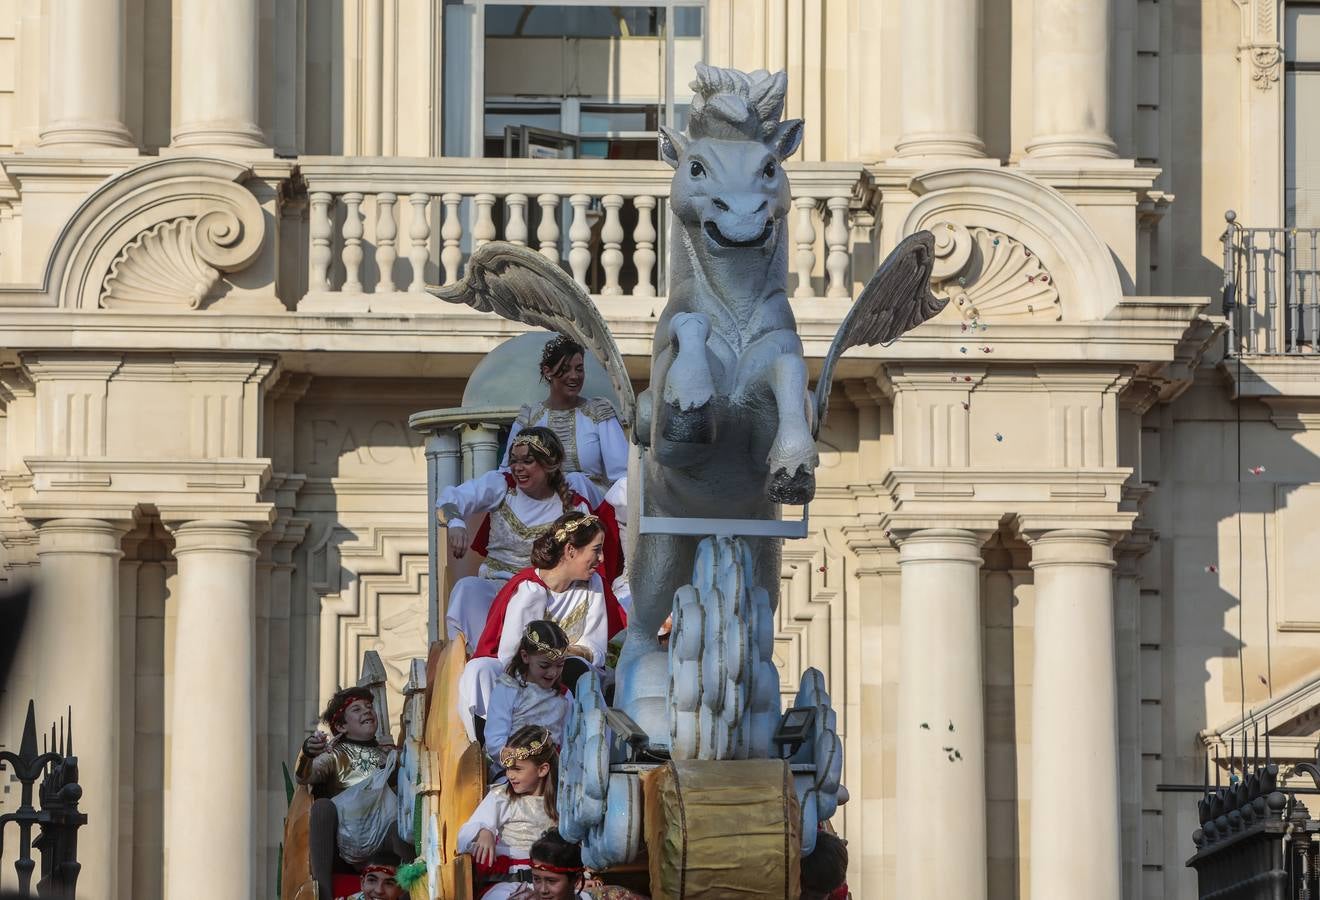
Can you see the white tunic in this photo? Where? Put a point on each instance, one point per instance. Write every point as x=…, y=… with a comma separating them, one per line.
x=516, y=520
x=515, y=703
x=516, y=820
x=579, y=610
x=593, y=439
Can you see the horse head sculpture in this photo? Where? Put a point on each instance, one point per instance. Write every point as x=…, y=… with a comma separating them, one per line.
x=729, y=192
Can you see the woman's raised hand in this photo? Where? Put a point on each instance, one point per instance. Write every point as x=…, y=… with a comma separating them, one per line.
x=458, y=541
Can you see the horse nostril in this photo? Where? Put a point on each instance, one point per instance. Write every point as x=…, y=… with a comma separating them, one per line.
x=720, y=205
x=764, y=204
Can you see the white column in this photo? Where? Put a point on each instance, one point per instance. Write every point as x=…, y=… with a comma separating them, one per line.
x=1070, y=78
x=76, y=632
x=941, y=65
x=85, y=71
x=941, y=725
x=480, y=449
x=218, y=75
x=1074, y=731
x=213, y=724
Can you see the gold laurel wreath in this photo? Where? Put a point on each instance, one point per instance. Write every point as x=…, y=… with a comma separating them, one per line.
x=511, y=755
x=554, y=653
x=562, y=533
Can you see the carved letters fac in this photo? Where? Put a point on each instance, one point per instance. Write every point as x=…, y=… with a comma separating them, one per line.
x=989, y=275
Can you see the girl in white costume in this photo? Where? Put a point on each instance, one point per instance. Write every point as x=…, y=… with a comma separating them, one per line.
x=522, y=505
x=589, y=430
x=531, y=690
x=562, y=586
x=516, y=812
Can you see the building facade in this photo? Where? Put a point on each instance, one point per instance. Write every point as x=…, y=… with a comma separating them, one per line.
x=1063, y=548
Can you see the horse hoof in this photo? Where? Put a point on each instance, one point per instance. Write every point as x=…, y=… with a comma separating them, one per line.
x=796, y=489
x=689, y=426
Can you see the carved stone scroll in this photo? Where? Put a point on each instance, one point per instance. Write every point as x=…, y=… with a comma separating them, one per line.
x=989, y=275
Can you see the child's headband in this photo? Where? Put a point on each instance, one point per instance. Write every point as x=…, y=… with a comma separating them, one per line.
x=558, y=870
x=554, y=653
x=511, y=755
x=343, y=707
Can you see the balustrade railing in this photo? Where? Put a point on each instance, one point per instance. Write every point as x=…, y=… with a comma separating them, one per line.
x=389, y=226
x=1271, y=289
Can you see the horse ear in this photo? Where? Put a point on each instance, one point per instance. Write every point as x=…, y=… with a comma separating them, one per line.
x=672, y=145
x=786, y=138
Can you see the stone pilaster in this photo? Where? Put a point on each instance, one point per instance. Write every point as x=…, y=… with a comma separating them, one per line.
x=219, y=74
x=85, y=78
x=941, y=716
x=939, y=93
x=73, y=639
x=1070, y=79
x=213, y=726
x=1074, y=737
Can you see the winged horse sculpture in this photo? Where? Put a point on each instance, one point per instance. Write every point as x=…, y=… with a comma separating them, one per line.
x=727, y=427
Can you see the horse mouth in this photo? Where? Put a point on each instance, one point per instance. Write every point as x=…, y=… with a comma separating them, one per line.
x=714, y=233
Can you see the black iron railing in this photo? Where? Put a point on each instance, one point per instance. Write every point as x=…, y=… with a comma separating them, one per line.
x=1271, y=289
x=56, y=814
x=1257, y=840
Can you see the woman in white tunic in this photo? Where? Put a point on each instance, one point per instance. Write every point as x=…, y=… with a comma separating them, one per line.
x=588, y=428
x=562, y=586
x=522, y=504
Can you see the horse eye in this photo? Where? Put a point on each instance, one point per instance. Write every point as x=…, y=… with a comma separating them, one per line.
x=696, y=169
x=769, y=170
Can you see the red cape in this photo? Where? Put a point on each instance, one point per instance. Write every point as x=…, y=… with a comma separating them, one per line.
x=610, y=568
x=489, y=642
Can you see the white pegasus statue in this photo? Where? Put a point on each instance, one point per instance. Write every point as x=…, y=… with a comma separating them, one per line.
x=727, y=428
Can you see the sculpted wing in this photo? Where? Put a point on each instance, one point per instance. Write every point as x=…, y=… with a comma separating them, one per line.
x=895, y=300
x=522, y=285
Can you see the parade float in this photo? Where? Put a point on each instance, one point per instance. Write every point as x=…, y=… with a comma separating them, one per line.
x=690, y=781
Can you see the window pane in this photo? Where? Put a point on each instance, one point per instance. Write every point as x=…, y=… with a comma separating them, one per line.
x=1302, y=155
x=1301, y=34
x=498, y=116
x=536, y=20
x=606, y=119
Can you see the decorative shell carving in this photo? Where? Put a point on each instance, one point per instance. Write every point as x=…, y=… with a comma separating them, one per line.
x=160, y=268
x=177, y=263
x=989, y=275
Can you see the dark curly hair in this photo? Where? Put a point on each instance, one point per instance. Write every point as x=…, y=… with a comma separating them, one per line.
x=826, y=868
x=553, y=849
x=557, y=354
x=333, y=714
x=547, y=551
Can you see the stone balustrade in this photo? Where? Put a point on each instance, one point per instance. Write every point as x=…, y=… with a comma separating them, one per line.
x=390, y=226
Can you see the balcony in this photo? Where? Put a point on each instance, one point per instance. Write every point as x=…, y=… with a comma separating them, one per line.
x=380, y=229
x=1271, y=289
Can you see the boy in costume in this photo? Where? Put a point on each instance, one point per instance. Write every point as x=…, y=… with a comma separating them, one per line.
x=335, y=763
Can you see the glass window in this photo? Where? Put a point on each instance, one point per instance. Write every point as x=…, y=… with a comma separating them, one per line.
x=615, y=119
x=537, y=20
x=1301, y=125
x=539, y=116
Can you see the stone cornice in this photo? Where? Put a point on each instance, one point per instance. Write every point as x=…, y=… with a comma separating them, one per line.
x=1288, y=385
x=1035, y=524
x=1006, y=488
x=632, y=320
